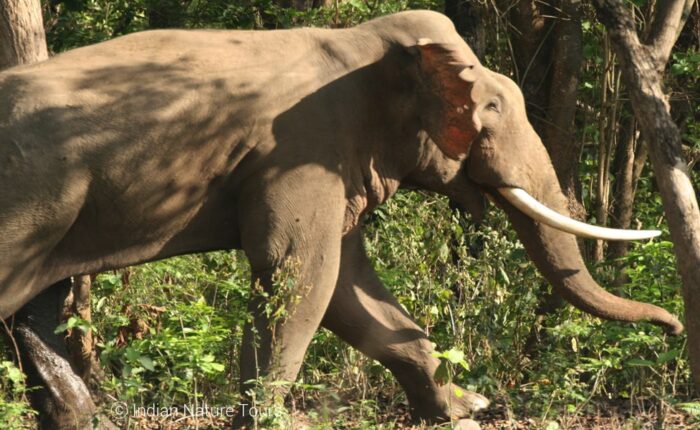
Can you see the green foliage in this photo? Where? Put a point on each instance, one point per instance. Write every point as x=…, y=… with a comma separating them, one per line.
x=686, y=64
x=450, y=361
x=692, y=408
x=74, y=322
x=73, y=23
x=166, y=333
x=15, y=414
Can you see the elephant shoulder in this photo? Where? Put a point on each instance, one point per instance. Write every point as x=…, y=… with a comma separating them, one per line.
x=409, y=26
x=23, y=93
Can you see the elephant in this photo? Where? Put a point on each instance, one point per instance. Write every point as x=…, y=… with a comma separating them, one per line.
x=279, y=143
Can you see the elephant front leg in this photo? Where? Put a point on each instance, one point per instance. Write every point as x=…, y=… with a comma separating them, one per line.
x=366, y=315
x=293, y=246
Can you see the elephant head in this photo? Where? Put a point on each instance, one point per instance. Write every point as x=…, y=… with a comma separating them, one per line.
x=478, y=117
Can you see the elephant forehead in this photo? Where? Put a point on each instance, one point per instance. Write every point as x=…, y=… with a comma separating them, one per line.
x=485, y=88
x=508, y=87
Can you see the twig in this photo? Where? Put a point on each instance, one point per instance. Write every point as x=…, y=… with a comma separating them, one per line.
x=8, y=330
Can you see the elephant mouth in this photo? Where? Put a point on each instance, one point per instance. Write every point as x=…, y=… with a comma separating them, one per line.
x=541, y=213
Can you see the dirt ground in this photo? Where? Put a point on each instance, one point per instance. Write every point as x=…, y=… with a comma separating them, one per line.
x=608, y=417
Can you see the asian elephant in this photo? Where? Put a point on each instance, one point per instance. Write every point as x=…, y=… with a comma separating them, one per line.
x=278, y=143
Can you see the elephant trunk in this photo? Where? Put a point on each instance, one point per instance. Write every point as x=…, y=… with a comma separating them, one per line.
x=558, y=258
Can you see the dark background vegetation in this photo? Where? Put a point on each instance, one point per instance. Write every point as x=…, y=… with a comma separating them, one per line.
x=168, y=332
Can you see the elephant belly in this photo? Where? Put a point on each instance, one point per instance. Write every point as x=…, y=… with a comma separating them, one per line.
x=63, y=238
x=105, y=238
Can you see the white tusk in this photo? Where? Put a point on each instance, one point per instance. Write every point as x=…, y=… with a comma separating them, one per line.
x=539, y=212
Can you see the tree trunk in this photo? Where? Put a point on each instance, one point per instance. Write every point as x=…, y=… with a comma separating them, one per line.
x=559, y=135
x=166, y=13
x=548, y=52
x=306, y=4
x=22, y=38
x=469, y=19
x=607, y=124
x=627, y=168
x=624, y=185
x=642, y=68
x=80, y=344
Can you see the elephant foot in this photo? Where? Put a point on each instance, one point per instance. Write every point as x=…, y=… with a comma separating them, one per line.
x=467, y=425
x=449, y=403
x=460, y=403
x=64, y=401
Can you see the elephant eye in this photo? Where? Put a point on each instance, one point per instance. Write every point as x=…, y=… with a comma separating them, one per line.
x=494, y=105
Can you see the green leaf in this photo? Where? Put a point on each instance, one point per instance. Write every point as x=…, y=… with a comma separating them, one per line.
x=444, y=252
x=504, y=276
x=212, y=368
x=132, y=354
x=434, y=310
x=454, y=356
x=441, y=375
x=147, y=363
x=126, y=371
x=61, y=328
x=639, y=362
x=667, y=356
x=13, y=373
x=692, y=408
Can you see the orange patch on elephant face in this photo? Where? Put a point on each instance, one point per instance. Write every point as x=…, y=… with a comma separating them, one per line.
x=451, y=72
x=457, y=140
x=457, y=130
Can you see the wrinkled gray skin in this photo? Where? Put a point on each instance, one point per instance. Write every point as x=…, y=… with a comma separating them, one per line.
x=171, y=142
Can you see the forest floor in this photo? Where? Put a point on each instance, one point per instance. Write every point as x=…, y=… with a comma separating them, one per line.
x=606, y=417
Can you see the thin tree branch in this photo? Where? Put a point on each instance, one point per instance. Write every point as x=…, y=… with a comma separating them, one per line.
x=669, y=18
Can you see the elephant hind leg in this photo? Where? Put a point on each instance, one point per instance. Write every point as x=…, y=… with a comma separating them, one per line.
x=63, y=400
x=366, y=315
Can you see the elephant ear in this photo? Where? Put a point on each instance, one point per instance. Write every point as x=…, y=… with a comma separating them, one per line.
x=448, y=73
